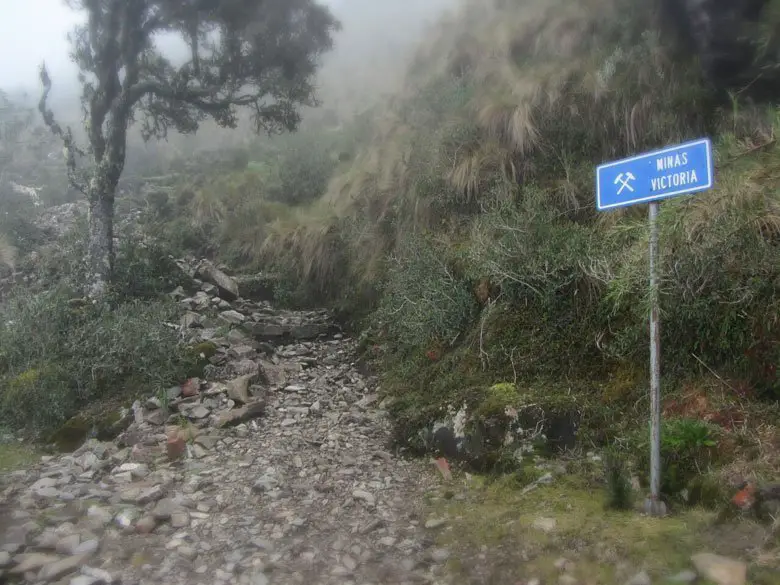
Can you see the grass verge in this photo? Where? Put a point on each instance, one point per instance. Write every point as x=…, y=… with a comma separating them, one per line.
x=495, y=536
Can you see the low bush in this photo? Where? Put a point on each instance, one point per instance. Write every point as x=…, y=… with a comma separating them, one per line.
x=301, y=169
x=425, y=300
x=58, y=355
x=688, y=449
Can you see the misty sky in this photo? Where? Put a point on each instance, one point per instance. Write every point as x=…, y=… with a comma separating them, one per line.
x=32, y=31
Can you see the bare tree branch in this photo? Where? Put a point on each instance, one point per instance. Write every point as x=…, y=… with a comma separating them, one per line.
x=70, y=147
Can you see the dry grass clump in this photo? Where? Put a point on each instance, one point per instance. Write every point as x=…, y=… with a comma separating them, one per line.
x=521, y=91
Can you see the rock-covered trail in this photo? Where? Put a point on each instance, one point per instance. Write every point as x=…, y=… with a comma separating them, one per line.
x=275, y=469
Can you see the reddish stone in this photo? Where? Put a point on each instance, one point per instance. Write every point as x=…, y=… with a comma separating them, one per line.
x=190, y=388
x=176, y=446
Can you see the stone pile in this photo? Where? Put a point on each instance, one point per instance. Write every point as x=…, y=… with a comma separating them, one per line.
x=271, y=469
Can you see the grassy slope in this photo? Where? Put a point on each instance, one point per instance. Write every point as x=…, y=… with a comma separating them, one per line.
x=479, y=175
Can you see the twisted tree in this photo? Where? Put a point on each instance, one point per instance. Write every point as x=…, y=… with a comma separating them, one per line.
x=256, y=54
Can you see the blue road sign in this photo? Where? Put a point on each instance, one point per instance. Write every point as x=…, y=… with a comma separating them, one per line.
x=660, y=174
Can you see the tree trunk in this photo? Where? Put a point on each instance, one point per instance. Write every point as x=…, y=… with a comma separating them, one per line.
x=100, y=245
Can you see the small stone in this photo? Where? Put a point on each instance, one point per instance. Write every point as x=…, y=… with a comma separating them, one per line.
x=125, y=518
x=67, y=545
x=686, y=576
x=258, y=578
x=640, y=579
x=440, y=555
x=563, y=564
x=150, y=495
x=206, y=441
x=101, y=576
x=164, y=509
x=155, y=417
x=408, y=564
x=199, y=412
x=364, y=496
x=187, y=552
x=349, y=562
x=47, y=540
x=238, y=389
x=31, y=562
x=102, y=515
x=180, y=519
x=86, y=580
x=567, y=579
x=434, y=523
x=546, y=525
x=62, y=567
x=87, y=547
x=145, y=525
x=173, y=392
x=5, y=559
x=720, y=570
x=175, y=446
x=136, y=470
x=232, y=317
x=153, y=403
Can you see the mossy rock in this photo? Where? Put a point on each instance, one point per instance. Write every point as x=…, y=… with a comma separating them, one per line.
x=109, y=426
x=498, y=398
x=71, y=435
x=207, y=349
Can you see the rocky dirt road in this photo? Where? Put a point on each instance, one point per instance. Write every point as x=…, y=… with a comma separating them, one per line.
x=273, y=470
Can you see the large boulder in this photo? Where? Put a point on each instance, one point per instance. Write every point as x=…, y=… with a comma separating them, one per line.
x=227, y=288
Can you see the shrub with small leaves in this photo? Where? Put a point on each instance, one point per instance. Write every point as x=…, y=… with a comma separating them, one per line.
x=59, y=354
x=424, y=299
x=688, y=448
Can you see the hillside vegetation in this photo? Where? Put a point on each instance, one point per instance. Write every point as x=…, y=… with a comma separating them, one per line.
x=454, y=225
x=467, y=223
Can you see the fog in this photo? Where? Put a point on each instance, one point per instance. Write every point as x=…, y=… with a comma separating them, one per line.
x=369, y=58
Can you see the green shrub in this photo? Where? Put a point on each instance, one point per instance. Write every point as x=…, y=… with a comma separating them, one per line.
x=688, y=448
x=303, y=168
x=57, y=355
x=144, y=270
x=424, y=299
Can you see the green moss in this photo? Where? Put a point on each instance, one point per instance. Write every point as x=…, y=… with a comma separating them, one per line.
x=498, y=398
x=72, y=434
x=107, y=426
x=498, y=515
x=14, y=457
x=206, y=349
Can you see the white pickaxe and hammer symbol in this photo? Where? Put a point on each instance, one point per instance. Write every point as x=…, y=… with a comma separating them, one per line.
x=625, y=179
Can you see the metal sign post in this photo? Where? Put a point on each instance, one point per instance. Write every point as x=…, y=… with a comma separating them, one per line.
x=654, y=506
x=649, y=178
